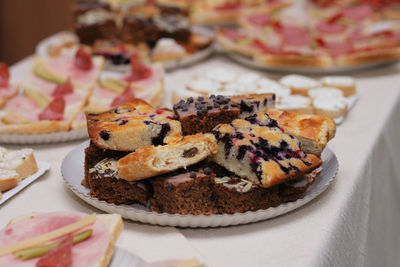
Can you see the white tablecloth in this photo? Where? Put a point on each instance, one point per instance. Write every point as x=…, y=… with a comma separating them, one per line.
x=353, y=223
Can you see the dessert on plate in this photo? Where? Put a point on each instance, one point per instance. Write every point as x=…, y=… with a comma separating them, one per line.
x=224, y=160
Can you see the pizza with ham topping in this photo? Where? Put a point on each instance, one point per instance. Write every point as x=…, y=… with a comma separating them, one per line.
x=321, y=37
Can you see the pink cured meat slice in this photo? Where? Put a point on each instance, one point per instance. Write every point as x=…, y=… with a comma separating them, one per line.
x=25, y=106
x=293, y=35
x=65, y=67
x=42, y=85
x=157, y=75
x=83, y=254
x=330, y=28
x=260, y=20
x=7, y=91
x=232, y=34
x=357, y=13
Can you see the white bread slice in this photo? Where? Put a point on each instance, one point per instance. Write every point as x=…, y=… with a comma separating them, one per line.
x=22, y=161
x=114, y=224
x=8, y=179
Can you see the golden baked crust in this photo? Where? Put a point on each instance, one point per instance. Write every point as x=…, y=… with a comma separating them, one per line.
x=40, y=127
x=313, y=131
x=132, y=125
x=150, y=161
x=257, y=149
x=373, y=56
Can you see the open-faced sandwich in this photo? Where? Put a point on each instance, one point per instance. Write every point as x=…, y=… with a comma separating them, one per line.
x=59, y=239
x=208, y=156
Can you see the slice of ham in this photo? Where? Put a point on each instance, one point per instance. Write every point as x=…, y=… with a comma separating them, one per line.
x=7, y=91
x=139, y=71
x=65, y=66
x=326, y=27
x=60, y=256
x=24, y=106
x=63, y=89
x=228, y=6
x=54, y=110
x=157, y=74
x=122, y=98
x=83, y=60
x=293, y=35
x=232, y=34
x=336, y=48
x=4, y=75
x=264, y=48
x=357, y=13
x=85, y=253
x=260, y=20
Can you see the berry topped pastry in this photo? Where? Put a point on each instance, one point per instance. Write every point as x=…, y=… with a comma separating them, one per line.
x=258, y=150
x=132, y=125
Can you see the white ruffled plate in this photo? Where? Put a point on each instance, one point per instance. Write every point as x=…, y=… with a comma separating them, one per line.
x=72, y=170
x=42, y=168
x=123, y=258
x=247, y=61
x=47, y=138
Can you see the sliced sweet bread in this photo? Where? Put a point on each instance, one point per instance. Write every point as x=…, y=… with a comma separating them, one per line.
x=8, y=179
x=132, y=125
x=258, y=150
x=155, y=160
x=313, y=131
x=22, y=161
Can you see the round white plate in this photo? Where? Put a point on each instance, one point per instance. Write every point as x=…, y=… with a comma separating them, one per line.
x=72, y=170
x=247, y=61
x=62, y=37
x=47, y=138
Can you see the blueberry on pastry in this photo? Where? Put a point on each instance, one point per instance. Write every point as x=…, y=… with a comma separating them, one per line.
x=132, y=125
x=258, y=150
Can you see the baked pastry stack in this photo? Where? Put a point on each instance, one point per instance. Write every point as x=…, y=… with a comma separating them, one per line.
x=211, y=155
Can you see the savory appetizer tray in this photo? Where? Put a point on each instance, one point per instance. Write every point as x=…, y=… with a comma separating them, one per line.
x=310, y=39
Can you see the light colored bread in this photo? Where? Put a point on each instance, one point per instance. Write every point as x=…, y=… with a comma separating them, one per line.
x=325, y=92
x=345, y=83
x=150, y=161
x=203, y=86
x=332, y=107
x=229, y=45
x=39, y=127
x=22, y=161
x=114, y=225
x=8, y=179
x=132, y=125
x=313, y=131
x=295, y=103
x=260, y=152
x=300, y=85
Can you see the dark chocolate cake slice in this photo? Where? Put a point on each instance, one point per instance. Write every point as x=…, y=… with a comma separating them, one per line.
x=94, y=20
x=201, y=115
x=101, y=177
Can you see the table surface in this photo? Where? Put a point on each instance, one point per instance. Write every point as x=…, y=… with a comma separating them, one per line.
x=353, y=223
